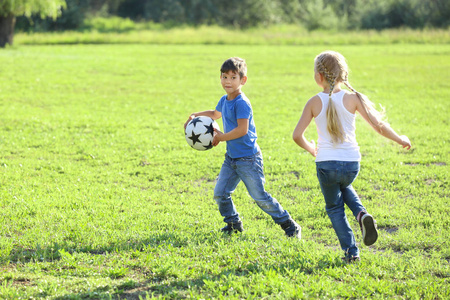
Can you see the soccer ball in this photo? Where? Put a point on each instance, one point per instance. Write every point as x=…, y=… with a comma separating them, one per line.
x=199, y=133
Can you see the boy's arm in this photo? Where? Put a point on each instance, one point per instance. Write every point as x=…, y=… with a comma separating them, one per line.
x=213, y=114
x=236, y=133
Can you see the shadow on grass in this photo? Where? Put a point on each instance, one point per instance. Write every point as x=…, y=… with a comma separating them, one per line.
x=176, y=289
x=183, y=288
x=168, y=286
x=173, y=288
x=55, y=251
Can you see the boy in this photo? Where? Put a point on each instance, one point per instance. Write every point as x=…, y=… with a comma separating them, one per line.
x=243, y=159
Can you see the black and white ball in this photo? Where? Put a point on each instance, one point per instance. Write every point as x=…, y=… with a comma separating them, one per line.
x=199, y=133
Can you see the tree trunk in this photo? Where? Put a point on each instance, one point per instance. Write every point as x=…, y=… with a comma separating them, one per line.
x=7, y=29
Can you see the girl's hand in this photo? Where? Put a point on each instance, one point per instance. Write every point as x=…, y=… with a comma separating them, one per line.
x=313, y=151
x=189, y=119
x=217, y=137
x=406, y=143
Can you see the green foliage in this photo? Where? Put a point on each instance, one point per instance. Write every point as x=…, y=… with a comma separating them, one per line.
x=72, y=16
x=43, y=8
x=248, y=13
x=112, y=24
x=101, y=197
x=318, y=15
x=408, y=13
x=311, y=14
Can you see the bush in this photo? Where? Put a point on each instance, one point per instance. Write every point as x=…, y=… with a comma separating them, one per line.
x=404, y=13
x=111, y=24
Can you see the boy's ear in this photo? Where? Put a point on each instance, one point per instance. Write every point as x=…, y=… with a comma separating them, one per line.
x=244, y=80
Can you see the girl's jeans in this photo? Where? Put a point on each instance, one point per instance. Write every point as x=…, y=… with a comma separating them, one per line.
x=335, y=178
x=249, y=169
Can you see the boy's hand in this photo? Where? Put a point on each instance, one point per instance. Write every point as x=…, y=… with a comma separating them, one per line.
x=406, y=143
x=189, y=119
x=217, y=137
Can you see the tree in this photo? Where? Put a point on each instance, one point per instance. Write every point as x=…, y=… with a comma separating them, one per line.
x=9, y=9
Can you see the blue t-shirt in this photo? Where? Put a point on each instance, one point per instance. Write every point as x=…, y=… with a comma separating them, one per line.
x=232, y=110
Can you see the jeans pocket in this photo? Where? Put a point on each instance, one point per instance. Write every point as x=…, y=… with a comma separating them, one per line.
x=326, y=176
x=351, y=176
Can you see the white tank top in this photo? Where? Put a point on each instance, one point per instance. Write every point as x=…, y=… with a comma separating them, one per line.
x=326, y=150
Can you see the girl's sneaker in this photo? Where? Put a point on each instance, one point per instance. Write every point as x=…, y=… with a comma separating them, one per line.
x=368, y=228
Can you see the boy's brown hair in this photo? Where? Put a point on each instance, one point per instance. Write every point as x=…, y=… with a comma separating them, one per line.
x=236, y=65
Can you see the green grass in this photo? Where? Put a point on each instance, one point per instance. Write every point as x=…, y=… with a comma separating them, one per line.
x=118, y=31
x=101, y=197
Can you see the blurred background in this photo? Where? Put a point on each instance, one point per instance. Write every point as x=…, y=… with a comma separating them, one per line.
x=311, y=14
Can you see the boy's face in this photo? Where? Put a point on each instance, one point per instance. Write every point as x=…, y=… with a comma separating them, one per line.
x=232, y=82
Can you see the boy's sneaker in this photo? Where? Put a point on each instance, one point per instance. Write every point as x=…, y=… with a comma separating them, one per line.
x=233, y=227
x=369, y=229
x=351, y=259
x=292, y=229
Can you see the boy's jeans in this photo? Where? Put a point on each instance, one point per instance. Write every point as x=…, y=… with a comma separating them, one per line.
x=249, y=169
x=335, y=178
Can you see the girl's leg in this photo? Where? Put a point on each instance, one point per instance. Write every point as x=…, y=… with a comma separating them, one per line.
x=226, y=184
x=365, y=220
x=329, y=174
x=349, y=194
x=250, y=171
x=352, y=200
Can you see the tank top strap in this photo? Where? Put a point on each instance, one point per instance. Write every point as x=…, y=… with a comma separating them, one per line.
x=338, y=99
x=339, y=96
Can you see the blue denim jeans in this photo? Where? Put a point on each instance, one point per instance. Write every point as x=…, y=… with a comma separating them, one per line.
x=335, y=178
x=249, y=169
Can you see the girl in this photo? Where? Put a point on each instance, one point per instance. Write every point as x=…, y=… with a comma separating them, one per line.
x=337, y=153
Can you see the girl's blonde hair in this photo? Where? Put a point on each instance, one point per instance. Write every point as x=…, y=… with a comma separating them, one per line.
x=333, y=67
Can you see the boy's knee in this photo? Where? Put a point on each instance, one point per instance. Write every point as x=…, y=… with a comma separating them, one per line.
x=264, y=205
x=219, y=197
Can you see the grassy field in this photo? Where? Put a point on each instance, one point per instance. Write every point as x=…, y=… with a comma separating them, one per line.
x=120, y=31
x=102, y=198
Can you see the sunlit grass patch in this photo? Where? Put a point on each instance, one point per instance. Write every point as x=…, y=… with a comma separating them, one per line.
x=112, y=32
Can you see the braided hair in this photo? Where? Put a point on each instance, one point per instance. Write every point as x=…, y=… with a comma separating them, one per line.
x=375, y=117
x=333, y=67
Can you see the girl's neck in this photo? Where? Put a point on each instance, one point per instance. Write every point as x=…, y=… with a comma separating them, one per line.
x=337, y=88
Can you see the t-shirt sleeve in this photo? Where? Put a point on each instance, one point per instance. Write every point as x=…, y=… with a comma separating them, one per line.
x=219, y=105
x=243, y=110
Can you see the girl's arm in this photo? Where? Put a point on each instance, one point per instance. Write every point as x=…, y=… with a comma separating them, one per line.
x=213, y=114
x=299, y=131
x=236, y=133
x=382, y=127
